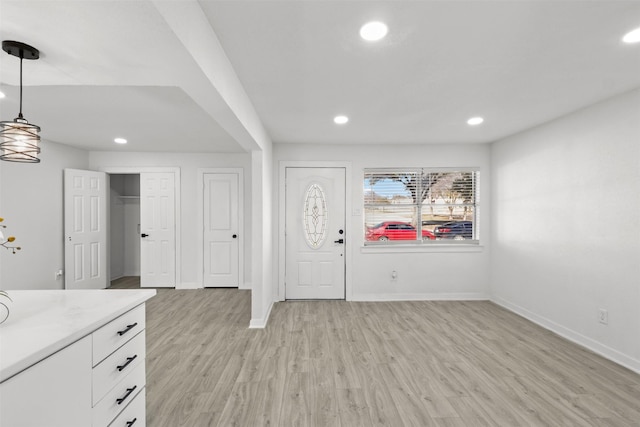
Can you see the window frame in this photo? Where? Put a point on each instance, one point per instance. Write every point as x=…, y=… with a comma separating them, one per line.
x=474, y=205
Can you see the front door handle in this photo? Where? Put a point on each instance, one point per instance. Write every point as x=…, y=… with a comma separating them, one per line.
x=144, y=235
x=339, y=241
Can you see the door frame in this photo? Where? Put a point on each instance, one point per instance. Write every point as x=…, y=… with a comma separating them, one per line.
x=131, y=170
x=349, y=213
x=200, y=223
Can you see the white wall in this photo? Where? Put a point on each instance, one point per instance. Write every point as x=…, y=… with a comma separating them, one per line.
x=31, y=203
x=131, y=229
x=131, y=238
x=431, y=274
x=188, y=164
x=566, y=226
x=116, y=227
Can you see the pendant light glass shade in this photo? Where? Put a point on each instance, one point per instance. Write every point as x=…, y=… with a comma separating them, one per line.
x=19, y=140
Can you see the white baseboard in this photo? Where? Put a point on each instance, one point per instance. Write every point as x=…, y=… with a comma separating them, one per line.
x=472, y=296
x=191, y=285
x=573, y=336
x=245, y=286
x=261, y=323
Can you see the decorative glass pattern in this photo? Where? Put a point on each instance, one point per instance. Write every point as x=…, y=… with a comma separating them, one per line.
x=315, y=216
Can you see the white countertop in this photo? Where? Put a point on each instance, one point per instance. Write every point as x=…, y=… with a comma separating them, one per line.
x=43, y=322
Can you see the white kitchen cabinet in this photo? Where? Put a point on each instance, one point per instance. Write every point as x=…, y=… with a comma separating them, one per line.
x=133, y=415
x=119, y=366
x=54, y=392
x=80, y=362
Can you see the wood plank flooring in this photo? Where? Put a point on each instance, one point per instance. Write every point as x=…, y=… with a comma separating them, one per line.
x=337, y=363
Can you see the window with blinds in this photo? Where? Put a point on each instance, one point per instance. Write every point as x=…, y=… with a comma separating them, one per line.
x=420, y=205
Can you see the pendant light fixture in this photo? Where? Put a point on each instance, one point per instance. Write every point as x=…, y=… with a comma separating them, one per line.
x=19, y=140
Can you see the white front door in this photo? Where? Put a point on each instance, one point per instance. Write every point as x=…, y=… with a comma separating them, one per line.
x=315, y=233
x=85, y=229
x=157, y=230
x=221, y=230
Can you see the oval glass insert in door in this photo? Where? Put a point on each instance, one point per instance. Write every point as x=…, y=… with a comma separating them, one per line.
x=315, y=216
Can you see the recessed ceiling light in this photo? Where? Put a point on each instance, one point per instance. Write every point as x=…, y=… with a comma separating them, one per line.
x=373, y=31
x=120, y=141
x=2, y=95
x=340, y=120
x=632, y=36
x=473, y=121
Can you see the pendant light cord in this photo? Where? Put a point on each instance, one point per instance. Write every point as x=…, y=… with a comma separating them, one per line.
x=20, y=113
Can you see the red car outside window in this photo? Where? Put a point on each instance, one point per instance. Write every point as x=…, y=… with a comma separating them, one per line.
x=395, y=230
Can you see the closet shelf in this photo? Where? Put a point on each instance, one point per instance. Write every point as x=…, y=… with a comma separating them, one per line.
x=129, y=197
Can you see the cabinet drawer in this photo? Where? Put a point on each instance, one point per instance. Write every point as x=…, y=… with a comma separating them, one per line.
x=124, y=392
x=117, y=366
x=116, y=333
x=133, y=415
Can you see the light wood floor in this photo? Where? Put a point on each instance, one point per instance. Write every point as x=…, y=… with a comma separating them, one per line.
x=337, y=363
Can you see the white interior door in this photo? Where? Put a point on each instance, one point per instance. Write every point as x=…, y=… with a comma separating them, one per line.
x=315, y=233
x=157, y=230
x=221, y=230
x=85, y=229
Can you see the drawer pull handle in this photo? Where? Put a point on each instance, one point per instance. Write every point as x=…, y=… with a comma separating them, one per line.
x=132, y=422
x=127, y=329
x=123, y=398
x=129, y=360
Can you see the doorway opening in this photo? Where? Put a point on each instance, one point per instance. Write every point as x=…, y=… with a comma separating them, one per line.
x=90, y=231
x=124, y=226
x=145, y=225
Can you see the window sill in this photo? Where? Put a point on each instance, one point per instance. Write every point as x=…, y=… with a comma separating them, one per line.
x=422, y=248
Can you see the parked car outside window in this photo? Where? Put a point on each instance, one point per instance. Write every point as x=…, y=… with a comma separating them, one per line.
x=456, y=230
x=395, y=230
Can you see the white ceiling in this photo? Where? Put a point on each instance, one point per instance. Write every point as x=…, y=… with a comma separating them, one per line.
x=129, y=68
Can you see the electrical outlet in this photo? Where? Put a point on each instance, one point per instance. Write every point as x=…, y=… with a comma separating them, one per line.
x=603, y=316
